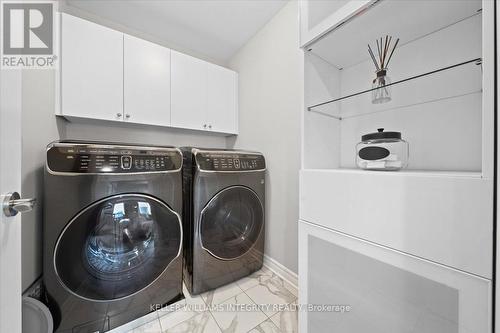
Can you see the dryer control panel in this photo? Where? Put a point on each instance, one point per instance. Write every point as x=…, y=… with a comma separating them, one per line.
x=229, y=161
x=94, y=158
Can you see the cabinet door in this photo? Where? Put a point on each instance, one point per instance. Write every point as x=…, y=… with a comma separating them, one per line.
x=91, y=70
x=376, y=289
x=189, y=91
x=146, y=82
x=222, y=101
x=320, y=16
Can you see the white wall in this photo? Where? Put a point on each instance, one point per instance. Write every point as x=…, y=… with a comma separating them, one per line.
x=270, y=98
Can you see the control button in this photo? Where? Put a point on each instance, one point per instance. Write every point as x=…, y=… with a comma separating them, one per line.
x=138, y=164
x=126, y=162
x=236, y=163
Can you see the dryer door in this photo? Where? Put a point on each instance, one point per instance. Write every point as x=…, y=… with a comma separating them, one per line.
x=231, y=222
x=117, y=246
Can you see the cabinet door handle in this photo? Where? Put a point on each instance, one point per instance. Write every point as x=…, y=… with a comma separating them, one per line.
x=118, y=115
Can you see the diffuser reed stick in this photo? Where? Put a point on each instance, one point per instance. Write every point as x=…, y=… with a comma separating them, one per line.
x=381, y=92
x=383, y=49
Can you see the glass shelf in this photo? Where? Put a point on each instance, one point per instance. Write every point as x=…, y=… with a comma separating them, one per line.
x=443, y=83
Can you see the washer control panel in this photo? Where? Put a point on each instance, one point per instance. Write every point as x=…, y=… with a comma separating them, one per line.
x=81, y=158
x=230, y=161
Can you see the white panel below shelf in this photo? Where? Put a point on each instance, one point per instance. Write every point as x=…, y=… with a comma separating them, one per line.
x=388, y=291
x=442, y=217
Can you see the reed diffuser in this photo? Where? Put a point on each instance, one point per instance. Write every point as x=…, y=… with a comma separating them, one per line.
x=381, y=92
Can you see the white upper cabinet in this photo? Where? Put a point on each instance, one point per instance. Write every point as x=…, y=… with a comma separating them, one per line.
x=146, y=82
x=204, y=96
x=108, y=75
x=320, y=16
x=91, y=70
x=222, y=99
x=189, y=92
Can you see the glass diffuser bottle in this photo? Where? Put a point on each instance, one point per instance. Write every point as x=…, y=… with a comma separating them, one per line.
x=381, y=85
x=381, y=92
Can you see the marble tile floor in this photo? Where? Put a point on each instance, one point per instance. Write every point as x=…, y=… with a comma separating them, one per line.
x=260, y=303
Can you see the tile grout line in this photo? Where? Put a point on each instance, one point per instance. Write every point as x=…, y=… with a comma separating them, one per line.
x=159, y=321
x=268, y=319
x=185, y=300
x=251, y=299
x=224, y=300
x=183, y=307
x=265, y=314
x=243, y=292
x=210, y=312
x=216, y=322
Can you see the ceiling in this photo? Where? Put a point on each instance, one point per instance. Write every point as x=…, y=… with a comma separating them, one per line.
x=213, y=28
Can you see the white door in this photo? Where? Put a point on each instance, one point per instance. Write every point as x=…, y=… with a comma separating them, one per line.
x=222, y=102
x=189, y=91
x=10, y=181
x=146, y=82
x=91, y=70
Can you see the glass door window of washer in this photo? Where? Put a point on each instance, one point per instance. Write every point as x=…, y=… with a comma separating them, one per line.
x=231, y=222
x=117, y=246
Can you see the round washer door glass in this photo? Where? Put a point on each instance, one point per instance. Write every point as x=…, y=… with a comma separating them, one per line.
x=117, y=246
x=231, y=222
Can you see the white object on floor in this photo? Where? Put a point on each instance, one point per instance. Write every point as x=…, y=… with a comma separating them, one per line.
x=36, y=317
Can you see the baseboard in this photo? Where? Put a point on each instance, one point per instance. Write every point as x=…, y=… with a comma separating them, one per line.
x=281, y=270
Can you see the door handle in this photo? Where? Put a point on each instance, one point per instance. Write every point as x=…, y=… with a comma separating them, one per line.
x=13, y=204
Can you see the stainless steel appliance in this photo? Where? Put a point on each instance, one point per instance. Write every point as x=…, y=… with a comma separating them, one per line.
x=223, y=216
x=112, y=233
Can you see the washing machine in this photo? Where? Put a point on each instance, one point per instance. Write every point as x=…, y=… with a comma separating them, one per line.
x=223, y=216
x=113, y=234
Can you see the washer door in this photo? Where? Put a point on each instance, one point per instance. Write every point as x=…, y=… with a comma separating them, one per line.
x=117, y=246
x=231, y=222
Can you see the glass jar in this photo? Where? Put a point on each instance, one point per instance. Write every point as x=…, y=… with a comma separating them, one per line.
x=381, y=89
x=382, y=151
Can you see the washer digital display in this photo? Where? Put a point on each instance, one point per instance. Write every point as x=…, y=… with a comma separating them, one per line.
x=118, y=159
x=229, y=161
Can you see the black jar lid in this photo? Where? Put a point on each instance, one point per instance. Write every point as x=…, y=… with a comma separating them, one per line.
x=381, y=135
